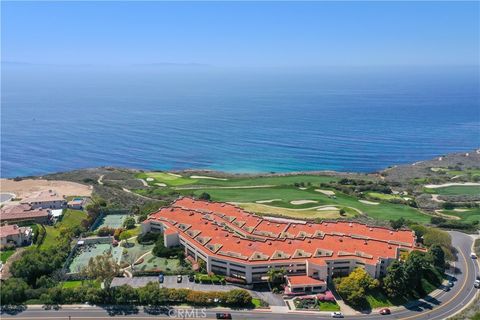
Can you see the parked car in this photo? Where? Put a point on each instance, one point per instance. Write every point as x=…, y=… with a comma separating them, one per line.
x=191, y=278
x=476, y=284
x=224, y=316
x=385, y=311
x=179, y=278
x=473, y=255
x=450, y=284
x=161, y=278
x=337, y=314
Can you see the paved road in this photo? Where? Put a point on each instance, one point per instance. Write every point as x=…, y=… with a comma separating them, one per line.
x=438, y=308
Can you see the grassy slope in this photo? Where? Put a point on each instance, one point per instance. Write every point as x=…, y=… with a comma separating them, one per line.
x=383, y=196
x=4, y=255
x=384, y=210
x=281, y=188
x=70, y=218
x=471, y=215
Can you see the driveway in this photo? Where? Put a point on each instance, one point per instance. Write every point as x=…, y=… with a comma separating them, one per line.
x=171, y=282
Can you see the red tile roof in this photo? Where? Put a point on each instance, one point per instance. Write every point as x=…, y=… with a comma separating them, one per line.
x=304, y=280
x=212, y=226
x=9, y=230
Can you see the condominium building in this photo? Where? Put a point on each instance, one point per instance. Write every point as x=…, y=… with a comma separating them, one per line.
x=240, y=244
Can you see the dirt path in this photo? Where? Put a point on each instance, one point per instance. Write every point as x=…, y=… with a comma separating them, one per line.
x=144, y=182
x=5, y=274
x=100, y=180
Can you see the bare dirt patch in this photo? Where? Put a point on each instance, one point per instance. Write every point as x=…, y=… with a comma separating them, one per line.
x=24, y=188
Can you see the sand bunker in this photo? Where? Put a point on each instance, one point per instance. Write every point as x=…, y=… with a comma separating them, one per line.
x=368, y=202
x=460, y=210
x=268, y=201
x=327, y=208
x=326, y=192
x=298, y=202
x=302, y=188
x=434, y=186
x=205, y=177
x=175, y=175
x=161, y=184
x=150, y=179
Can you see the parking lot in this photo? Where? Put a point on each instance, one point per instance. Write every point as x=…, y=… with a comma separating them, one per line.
x=171, y=282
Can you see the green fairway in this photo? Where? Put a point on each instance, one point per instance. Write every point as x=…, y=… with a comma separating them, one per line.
x=466, y=214
x=169, y=179
x=383, y=211
x=5, y=254
x=454, y=190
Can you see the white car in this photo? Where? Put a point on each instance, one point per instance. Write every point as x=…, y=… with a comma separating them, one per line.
x=337, y=315
x=476, y=284
x=473, y=255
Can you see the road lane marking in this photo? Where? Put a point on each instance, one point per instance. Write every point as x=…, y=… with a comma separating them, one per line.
x=449, y=301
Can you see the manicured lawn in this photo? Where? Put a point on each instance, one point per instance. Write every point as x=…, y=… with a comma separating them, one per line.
x=382, y=211
x=175, y=181
x=454, y=190
x=71, y=218
x=471, y=214
x=377, y=299
x=328, y=306
x=167, y=178
x=152, y=262
x=133, y=232
x=78, y=283
x=4, y=255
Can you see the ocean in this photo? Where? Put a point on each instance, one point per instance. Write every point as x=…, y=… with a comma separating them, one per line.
x=58, y=118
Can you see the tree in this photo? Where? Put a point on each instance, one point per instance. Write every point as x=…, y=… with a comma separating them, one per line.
x=13, y=291
x=395, y=282
x=397, y=224
x=124, y=236
x=438, y=257
x=415, y=268
x=102, y=268
x=204, y=196
x=353, y=287
x=276, y=276
x=125, y=295
x=129, y=223
x=238, y=297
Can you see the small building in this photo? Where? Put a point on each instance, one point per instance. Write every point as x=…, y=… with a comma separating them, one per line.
x=56, y=214
x=45, y=200
x=16, y=235
x=76, y=204
x=304, y=285
x=24, y=212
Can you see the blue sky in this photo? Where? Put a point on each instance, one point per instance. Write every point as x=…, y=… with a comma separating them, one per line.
x=242, y=33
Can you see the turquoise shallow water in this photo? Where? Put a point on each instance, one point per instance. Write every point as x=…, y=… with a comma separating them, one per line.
x=56, y=119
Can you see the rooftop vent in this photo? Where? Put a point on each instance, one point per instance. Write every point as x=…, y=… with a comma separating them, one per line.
x=309, y=241
x=238, y=242
x=351, y=225
x=269, y=243
x=278, y=225
x=289, y=242
x=391, y=232
x=226, y=235
x=268, y=223
x=370, y=229
x=250, y=244
x=293, y=226
x=340, y=239
x=365, y=242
